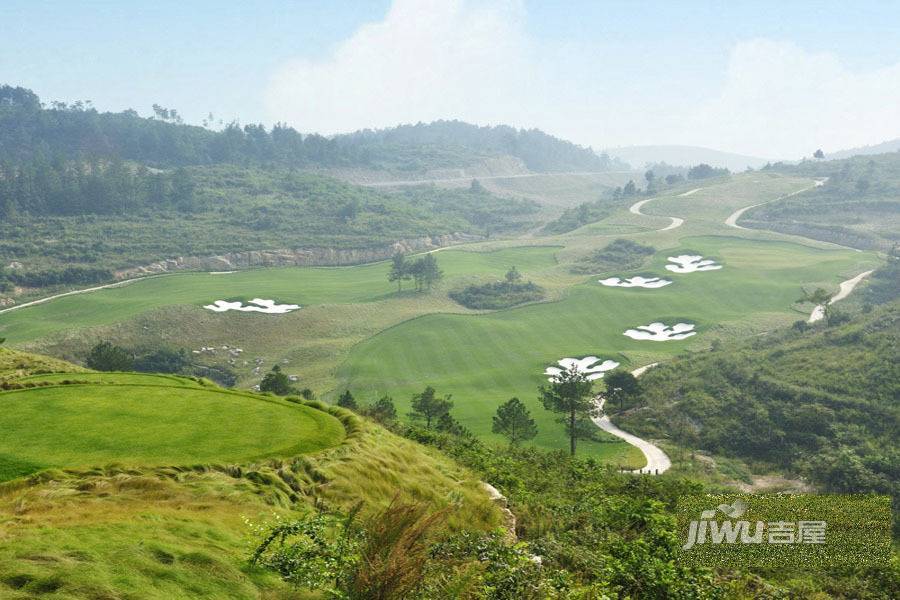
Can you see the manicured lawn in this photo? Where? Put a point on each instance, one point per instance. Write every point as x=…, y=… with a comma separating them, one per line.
x=94, y=425
x=485, y=359
x=295, y=285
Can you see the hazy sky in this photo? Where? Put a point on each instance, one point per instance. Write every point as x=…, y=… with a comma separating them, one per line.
x=773, y=79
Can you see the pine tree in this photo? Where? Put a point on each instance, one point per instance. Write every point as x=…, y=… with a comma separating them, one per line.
x=621, y=387
x=514, y=421
x=570, y=395
x=428, y=407
x=399, y=270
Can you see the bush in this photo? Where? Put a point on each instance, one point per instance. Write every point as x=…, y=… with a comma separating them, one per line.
x=106, y=356
x=620, y=254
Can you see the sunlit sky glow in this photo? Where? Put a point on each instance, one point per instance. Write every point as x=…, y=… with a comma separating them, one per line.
x=770, y=79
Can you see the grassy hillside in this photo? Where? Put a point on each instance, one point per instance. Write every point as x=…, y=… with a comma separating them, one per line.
x=819, y=402
x=858, y=206
x=92, y=529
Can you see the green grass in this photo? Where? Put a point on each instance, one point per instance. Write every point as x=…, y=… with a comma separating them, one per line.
x=92, y=425
x=355, y=331
x=295, y=285
x=114, y=378
x=484, y=360
x=170, y=533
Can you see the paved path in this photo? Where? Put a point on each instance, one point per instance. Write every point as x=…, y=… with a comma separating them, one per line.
x=846, y=287
x=676, y=222
x=732, y=219
x=657, y=461
x=75, y=292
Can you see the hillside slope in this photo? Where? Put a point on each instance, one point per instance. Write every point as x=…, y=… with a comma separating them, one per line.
x=820, y=402
x=638, y=156
x=858, y=205
x=182, y=531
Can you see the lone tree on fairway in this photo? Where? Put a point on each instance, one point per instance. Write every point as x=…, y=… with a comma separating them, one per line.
x=514, y=421
x=106, y=356
x=621, y=387
x=428, y=407
x=276, y=382
x=399, y=270
x=346, y=400
x=570, y=395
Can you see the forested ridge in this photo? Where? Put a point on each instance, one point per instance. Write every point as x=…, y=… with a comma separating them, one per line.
x=29, y=130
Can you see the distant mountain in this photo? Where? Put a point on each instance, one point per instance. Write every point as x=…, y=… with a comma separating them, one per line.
x=639, y=156
x=30, y=130
x=882, y=148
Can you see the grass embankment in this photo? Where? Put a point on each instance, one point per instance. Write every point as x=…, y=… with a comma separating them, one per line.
x=181, y=531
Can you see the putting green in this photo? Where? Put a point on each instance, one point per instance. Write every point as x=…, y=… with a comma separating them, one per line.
x=85, y=425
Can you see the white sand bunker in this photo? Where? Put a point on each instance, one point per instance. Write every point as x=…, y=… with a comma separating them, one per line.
x=255, y=305
x=641, y=282
x=687, y=263
x=660, y=332
x=589, y=365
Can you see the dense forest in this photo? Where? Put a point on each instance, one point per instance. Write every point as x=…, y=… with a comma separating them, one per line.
x=858, y=205
x=31, y=131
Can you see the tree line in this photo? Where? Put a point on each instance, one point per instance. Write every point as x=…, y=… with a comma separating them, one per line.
x=29, y=128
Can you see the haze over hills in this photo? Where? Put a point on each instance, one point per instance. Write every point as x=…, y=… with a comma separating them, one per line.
x=30, y=130
x=677, y=155
x=882, y=148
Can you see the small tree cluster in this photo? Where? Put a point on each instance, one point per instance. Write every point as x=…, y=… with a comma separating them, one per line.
x=424, y=271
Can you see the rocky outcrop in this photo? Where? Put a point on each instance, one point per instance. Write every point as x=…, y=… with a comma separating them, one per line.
x=299, y=257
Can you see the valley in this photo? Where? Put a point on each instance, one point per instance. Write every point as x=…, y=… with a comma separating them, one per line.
x=355, y=331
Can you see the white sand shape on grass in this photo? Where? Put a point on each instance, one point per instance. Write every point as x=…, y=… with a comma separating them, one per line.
x=589, y=365
x=687, y=263
x=255, y=305
x=641, y=282
x=660, y=332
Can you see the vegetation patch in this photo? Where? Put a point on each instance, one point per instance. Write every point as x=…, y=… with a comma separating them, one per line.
x=818, y=401
x=512, y=291
x=619, y=255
